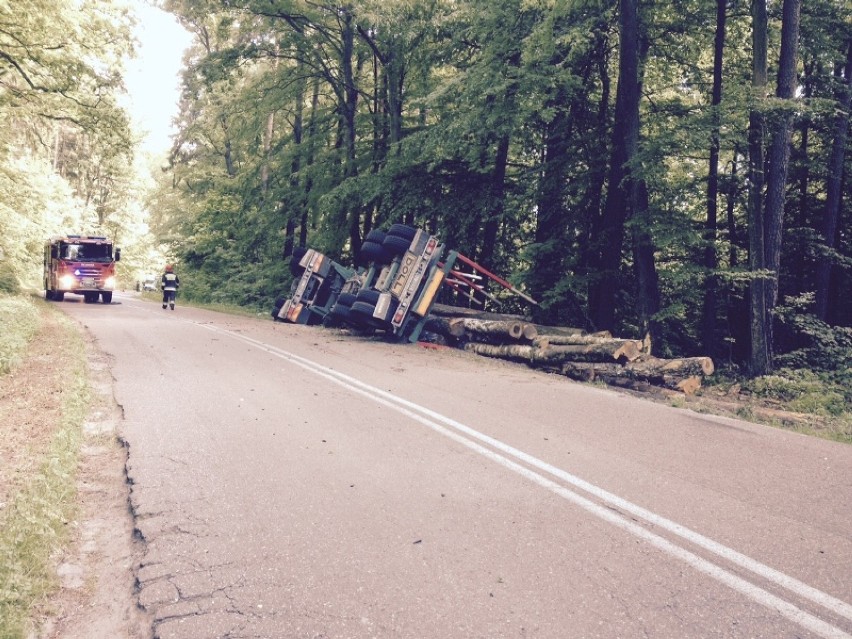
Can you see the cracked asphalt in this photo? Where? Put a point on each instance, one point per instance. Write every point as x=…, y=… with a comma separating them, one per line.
x=299, y=482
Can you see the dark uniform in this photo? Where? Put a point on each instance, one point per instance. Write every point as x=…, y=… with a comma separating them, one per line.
x=170, y=283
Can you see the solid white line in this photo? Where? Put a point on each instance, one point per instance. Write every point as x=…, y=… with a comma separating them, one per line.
x=434, y=420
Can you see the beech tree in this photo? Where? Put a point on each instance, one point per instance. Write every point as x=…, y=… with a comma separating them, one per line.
x=608, y=156
x=66, y=149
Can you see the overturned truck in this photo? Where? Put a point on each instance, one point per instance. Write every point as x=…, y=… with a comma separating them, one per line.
x=395, y=287
x=400, y=273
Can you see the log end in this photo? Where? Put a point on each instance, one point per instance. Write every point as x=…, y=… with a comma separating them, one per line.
x=690, y=385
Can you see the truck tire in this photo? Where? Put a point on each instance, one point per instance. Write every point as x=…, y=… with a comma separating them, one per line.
x=374, y=252
x=58, y=296
x=396, y=245
x=363, y=308
x=361, y=312
x=345, y=299
x=376, y=236
x=339, y=312
x=367, y=295
x=106, y=297
x=402, y=231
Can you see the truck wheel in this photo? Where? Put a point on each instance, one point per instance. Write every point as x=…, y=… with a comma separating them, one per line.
x=374, y=252
x=106, y=297
x=48, y=295
x=364, y=304
x=376, y=236
x=403, y=231
x=345, y=299
x=58, y=296
x=363, y=308
x=396, y=245
x=367, y=295
x=339, y=312
x=363, y=312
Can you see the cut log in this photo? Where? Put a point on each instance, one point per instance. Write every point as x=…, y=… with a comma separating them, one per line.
x=512, y=329
x=447, y=326
x=559, y=330
x=511, y=352
x=529, y=331
x=679, y=367
x=577, y=339
x=607, y=351
x=443, y=310
x=627, y=376
x=689, y=386
x=612, y=351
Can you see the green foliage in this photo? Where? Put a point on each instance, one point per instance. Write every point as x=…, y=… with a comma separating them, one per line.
x=20, y=320
x=66, y=159
x=286, y=137
x=9, y=283
x=807, y=391
x=815, y=344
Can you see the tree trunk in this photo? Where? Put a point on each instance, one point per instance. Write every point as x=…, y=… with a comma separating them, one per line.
x=646, y=270
x=834, y=185
x=779, y=153
x=496, y=204
x=627, y=194
x=299, y=198
x=759, y=360
x=547, y=258
x=709, y=322
x=349, y=214
x=312, y=141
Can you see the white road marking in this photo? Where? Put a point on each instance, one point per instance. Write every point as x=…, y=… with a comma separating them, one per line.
x=463, y=434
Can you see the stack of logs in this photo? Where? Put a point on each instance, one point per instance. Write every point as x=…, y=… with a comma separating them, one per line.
x=568, y=351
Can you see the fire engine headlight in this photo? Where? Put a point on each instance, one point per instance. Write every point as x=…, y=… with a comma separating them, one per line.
x=109, y=282
x=67, y=281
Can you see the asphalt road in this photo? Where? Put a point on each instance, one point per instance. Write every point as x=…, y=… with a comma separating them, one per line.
x=297, y=482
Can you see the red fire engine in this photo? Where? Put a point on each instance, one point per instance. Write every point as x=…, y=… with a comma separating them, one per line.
x=80, y=264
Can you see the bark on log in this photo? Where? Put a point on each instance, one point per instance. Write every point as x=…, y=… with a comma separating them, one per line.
x=559, y=330
x=447, y=326
x=504, y=328
x=544, y=341
x=511, y=352
x=443, y=310
x=615, y=350
x=628, y=377
x=607, y=351
x=679, y=367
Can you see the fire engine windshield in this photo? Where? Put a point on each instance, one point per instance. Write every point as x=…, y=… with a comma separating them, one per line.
x=86, y=252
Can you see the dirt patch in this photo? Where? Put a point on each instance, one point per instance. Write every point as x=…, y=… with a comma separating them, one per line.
x=96, y=596
x=30, y=401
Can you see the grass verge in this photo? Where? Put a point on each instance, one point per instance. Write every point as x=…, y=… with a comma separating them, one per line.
x=33, y=522
x=19, y=319
x=230, y=309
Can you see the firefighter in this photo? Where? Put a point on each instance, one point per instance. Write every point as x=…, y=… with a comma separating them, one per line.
x=170, y=283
